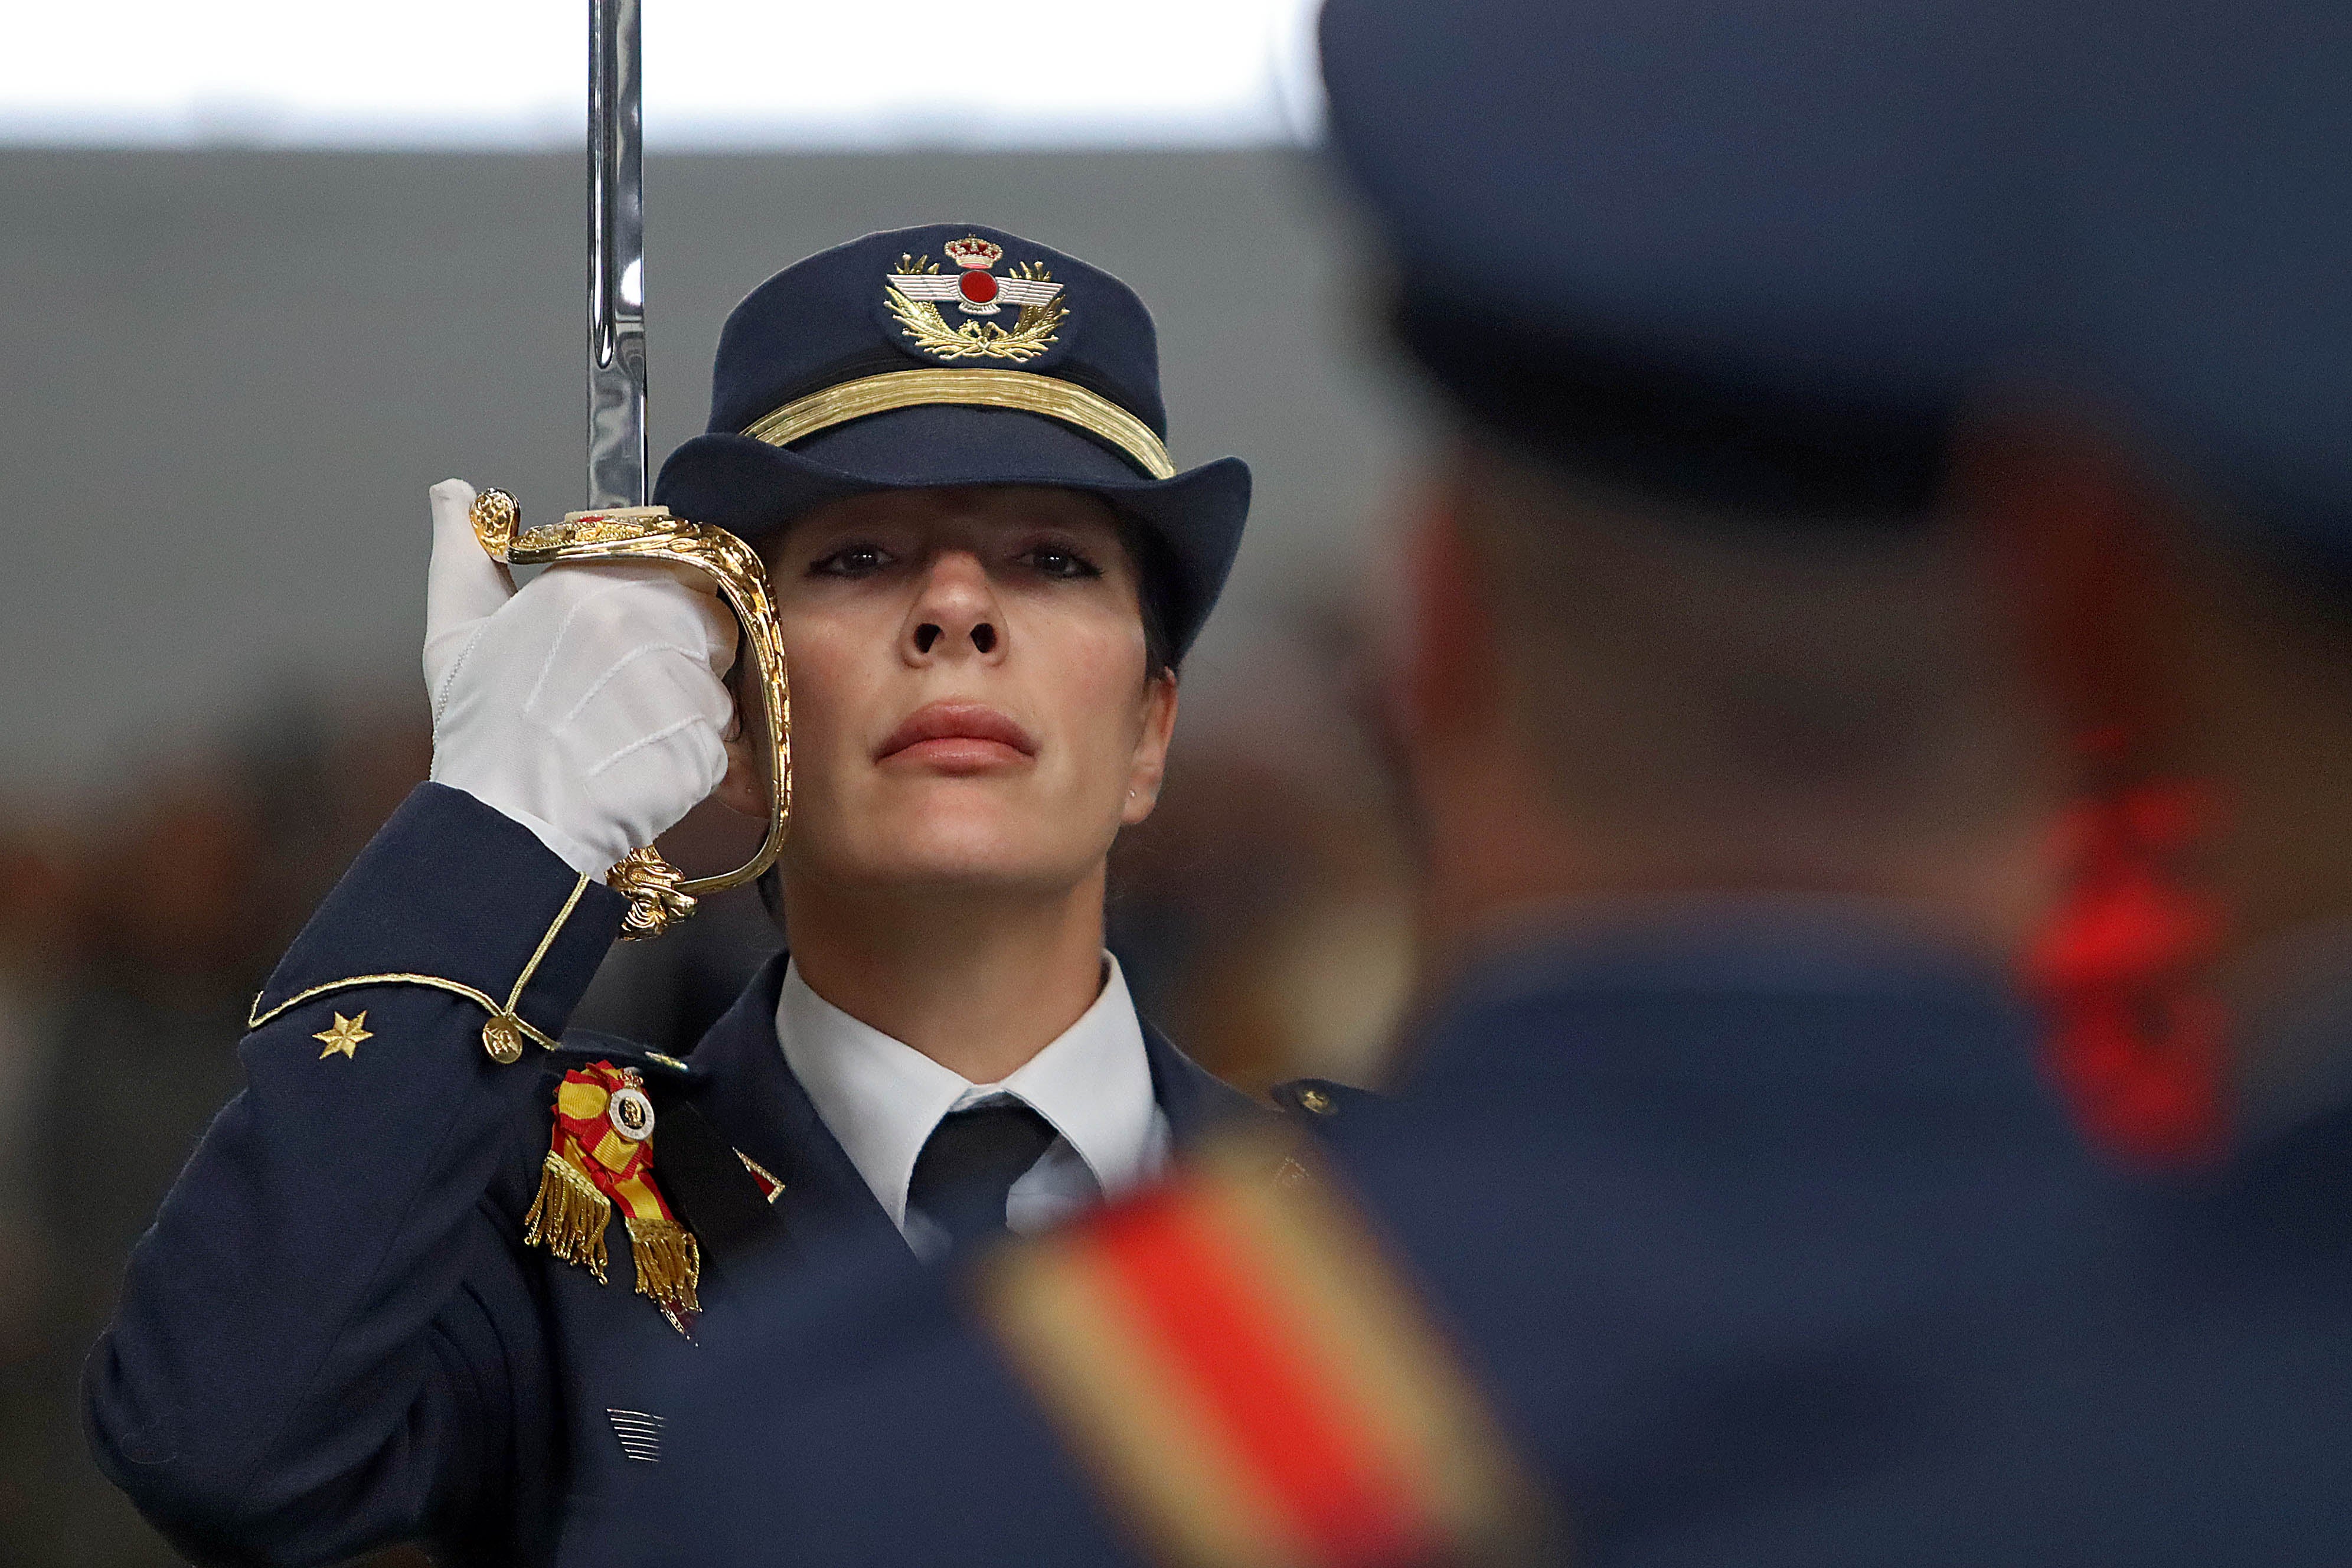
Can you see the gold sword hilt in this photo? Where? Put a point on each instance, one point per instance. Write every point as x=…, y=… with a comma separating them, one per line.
x=660, y=895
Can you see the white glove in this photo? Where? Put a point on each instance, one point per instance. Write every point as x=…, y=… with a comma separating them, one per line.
x=588, y=707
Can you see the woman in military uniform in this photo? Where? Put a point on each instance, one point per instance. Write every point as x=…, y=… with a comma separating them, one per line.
x=389, y=1299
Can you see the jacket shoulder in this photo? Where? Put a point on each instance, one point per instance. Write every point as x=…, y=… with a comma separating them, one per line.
x=1276, y=1317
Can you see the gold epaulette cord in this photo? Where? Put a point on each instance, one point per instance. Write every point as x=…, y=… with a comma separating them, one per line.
x=502, y=1036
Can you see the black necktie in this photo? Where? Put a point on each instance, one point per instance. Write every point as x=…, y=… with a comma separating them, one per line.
x=968, y=1164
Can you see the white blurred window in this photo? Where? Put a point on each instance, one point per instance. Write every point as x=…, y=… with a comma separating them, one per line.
x=719, y=73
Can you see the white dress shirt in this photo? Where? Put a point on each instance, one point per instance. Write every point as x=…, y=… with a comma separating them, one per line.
x=881, y=1098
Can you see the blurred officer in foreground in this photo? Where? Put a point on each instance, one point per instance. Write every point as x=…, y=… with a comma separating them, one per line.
x=1724, y=1217
x=390, y=1298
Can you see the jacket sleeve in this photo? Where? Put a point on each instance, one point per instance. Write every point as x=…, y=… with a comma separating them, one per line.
x=328, y=1339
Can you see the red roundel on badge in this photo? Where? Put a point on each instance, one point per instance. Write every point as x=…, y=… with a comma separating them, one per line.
x=979, y=288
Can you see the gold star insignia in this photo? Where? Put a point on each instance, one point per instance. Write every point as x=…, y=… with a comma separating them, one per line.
x=345, y=1037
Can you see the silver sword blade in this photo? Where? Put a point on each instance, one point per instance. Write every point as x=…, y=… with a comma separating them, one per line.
x=616, y=257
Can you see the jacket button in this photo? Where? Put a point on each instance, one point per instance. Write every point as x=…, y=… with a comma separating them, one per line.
x=1316, y=1101
x=502, y=1040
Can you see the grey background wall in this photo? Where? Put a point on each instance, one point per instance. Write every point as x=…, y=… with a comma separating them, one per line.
x=227, y=378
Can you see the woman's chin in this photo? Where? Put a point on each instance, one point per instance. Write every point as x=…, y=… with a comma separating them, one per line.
x=973, y=850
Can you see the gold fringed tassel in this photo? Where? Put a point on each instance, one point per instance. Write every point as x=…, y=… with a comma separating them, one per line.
x=668, y=1262
x=569, y=1215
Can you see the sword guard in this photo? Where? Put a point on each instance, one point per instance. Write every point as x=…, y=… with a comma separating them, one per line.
x=655, y=891
x=659, y=895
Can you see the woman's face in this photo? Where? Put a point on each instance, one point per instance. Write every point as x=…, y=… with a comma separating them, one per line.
x=968, y=700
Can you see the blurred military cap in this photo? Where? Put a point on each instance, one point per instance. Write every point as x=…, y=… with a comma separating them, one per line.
x=1758, y=251
x=1746, y=248
x=2201, y=176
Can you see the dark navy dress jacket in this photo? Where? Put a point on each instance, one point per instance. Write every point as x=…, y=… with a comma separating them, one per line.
x=333, y=1336
x=2209, y=1419
x=1761, y=1237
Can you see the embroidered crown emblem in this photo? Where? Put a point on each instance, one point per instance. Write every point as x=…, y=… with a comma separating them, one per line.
x=973, y=251
x=915, y=292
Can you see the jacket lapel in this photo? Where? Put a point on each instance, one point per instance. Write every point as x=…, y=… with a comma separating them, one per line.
x=748, y=1092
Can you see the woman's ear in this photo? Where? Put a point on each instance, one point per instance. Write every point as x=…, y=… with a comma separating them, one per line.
x=742, y=790
x=1150, y=762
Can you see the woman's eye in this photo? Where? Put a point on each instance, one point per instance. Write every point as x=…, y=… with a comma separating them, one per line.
x=1055, y=561
x=851, y=561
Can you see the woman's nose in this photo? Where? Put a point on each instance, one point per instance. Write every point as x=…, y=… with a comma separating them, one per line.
x=956, y=611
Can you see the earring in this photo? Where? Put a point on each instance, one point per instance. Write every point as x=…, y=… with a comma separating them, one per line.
x=2134, y=1041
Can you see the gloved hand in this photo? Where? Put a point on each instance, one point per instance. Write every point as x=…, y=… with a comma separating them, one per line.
x=588, y=707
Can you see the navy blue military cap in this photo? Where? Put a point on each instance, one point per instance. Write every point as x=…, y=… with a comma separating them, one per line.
x=955, y=355
x=1748, y=252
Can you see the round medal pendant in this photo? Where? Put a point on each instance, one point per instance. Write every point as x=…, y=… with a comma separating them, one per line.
x=631, y=1114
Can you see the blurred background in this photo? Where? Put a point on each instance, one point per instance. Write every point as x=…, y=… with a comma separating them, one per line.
x=273, y=271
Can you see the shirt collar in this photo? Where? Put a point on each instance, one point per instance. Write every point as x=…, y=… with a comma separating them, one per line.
x=881, y=1098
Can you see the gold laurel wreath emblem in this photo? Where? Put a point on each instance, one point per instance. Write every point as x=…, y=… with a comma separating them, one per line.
x=1032, y=334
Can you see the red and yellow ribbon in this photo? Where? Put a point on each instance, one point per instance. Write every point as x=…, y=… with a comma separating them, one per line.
x=590, y=1167
x=1255, y=1385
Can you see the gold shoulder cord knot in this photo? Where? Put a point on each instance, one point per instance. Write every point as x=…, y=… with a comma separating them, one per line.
x=660, y=895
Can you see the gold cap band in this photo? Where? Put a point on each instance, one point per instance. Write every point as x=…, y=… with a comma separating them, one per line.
x=1021, y=389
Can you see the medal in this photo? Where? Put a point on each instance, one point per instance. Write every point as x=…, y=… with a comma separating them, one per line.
x=631, y=1112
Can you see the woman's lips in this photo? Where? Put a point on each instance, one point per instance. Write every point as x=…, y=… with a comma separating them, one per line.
x=958, y=736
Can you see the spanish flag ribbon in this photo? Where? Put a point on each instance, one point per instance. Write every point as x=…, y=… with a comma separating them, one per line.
x=602, y=1154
